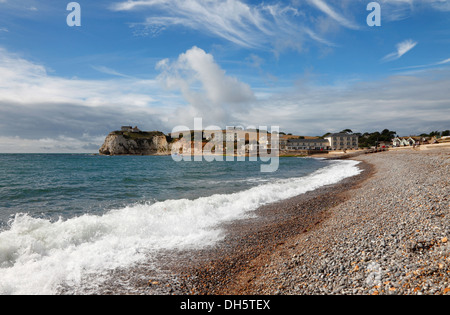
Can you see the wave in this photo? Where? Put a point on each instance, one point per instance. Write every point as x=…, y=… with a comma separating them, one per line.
x=38, y=255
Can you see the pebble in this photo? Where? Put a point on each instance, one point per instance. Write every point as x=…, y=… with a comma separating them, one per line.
x=394, y=228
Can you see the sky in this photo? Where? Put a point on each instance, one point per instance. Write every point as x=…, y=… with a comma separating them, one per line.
x=306, y=66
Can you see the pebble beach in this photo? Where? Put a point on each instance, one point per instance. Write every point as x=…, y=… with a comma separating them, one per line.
x=390, y=237
x=385, y=232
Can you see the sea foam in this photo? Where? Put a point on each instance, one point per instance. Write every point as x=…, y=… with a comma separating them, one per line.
x=37, y=255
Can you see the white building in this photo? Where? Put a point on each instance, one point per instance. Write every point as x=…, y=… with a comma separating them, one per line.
x=305, y=144
x=343, y=141
x=403, y=142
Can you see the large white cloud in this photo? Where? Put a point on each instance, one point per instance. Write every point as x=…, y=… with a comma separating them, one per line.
x=210, y=92
x=26, y=82
x=40, y=111
x=36, y=106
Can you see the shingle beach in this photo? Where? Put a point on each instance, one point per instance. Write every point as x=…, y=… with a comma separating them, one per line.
x=383, y=232
x=388, y=234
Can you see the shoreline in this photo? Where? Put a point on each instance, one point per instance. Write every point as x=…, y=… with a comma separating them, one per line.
x=389, y=238
x=372, y=234
x=232, y=267
x=218, y=269
x=384, y=231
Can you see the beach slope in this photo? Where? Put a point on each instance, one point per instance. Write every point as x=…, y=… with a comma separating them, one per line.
x=382, y=232
x=389, y=237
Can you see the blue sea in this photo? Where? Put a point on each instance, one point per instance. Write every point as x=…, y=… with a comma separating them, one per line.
x=63, y=216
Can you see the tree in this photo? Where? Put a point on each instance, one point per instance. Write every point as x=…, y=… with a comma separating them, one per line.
x=371, y=139
x=435, y=133
x=387, y=135
x=346, y=131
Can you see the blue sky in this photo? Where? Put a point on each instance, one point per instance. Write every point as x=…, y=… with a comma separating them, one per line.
x=307, y=66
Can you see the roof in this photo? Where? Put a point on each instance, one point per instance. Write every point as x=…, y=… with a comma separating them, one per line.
x=307, y=140
x=289, y=137
x=341, y=135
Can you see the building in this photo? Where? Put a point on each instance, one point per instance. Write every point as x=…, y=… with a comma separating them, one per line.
x=343, y=141
x=237, y=134
x=130, y=129
x=403, y=142
x=409, y=141
x=304, y=144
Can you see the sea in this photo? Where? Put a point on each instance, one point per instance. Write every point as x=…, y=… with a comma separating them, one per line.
x=66, y=216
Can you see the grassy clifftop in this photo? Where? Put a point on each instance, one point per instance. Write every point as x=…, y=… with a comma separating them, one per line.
x=147, y=135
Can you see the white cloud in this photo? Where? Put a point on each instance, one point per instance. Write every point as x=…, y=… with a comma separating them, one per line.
x=276, y=25
x=263, y=26
x=25, y=82
x=395, y=10
x=110, y=71
x=439, y=63
x=443, y=62
x=407, y=104
x=35, y=105
x=209, y=91
x=332, y=13
x=60, y=144
x=402, y=48
x=441, y=5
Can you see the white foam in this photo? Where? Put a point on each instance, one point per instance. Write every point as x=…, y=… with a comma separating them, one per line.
x=37, y=255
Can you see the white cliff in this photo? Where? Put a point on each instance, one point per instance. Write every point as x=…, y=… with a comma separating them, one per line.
x=142, y=143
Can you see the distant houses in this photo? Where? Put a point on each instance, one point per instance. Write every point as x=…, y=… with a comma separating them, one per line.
x=403, y=142
x=410, y=141
x=253, y=140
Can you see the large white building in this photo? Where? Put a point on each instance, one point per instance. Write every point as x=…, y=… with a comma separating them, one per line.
x=304, y=144
x=343, y=141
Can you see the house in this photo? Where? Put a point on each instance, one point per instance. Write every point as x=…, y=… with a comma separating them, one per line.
x=130, y=129
x=343, y=141
x=136, y=130
x=403, y=142
x=126, y=128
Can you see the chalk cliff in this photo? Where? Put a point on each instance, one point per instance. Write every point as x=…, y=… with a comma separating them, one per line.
x=135, y=143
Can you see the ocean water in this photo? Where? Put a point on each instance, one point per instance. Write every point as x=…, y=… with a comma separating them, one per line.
x=63, y=217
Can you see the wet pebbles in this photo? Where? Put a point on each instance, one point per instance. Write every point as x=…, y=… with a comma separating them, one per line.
x=390, y=237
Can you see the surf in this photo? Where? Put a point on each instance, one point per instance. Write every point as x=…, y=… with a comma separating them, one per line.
x=37, y=255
